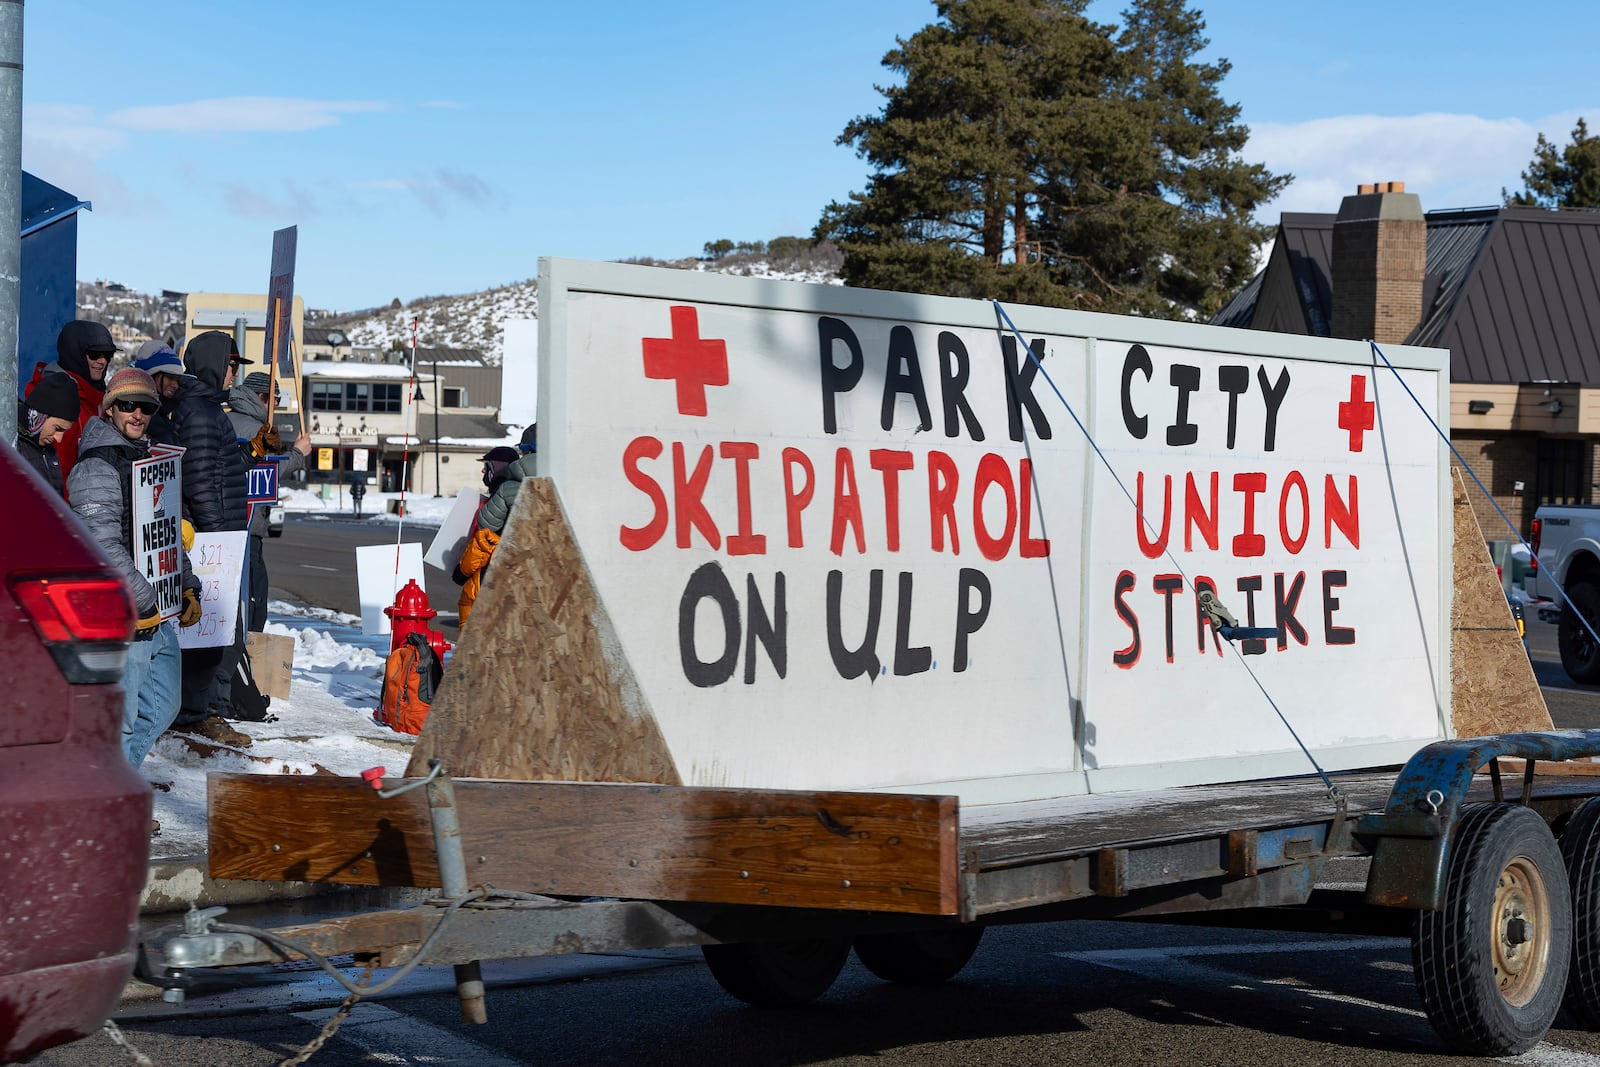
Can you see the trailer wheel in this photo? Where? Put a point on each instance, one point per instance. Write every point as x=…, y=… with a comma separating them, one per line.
x=1491, y=964
x=918, y=957
x=1580, y=653
x=1580, y=847
x=778, y=974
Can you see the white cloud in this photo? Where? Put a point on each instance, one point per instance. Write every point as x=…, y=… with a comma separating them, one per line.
x=1449, y=160
x=240, y=114
x=437, y=191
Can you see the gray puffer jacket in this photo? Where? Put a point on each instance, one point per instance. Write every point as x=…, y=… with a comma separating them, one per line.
x=248, y=414
x=495, y=512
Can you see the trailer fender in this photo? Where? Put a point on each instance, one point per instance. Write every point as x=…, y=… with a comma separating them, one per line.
x=1417, y=824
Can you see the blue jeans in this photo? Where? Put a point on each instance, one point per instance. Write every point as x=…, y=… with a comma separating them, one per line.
x=152, y=683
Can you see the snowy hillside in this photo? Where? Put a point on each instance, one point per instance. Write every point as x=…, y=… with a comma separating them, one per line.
x=470, y=320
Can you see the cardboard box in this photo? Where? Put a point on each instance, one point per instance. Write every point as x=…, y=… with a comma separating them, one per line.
x=272, y=662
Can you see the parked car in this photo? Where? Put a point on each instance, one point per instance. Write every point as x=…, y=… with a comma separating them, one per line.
x=74, y=816
x=275, y=519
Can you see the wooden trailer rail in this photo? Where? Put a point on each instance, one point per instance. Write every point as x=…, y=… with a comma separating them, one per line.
x=888, y=852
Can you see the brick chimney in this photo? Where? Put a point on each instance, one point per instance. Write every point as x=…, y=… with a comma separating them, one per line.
x=1380, y=253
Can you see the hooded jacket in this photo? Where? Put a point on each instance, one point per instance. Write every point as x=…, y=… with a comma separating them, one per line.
x=41, y=458
x=72, y=356
x=248, y=414
x=495, y=512
x=214, y=488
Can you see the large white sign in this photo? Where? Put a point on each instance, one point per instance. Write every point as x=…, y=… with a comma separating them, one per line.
x=858, y=539
x=157, y=535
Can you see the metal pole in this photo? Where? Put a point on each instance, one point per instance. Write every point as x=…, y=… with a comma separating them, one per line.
x=241, y=335
x=10, y=208
x=438, y=489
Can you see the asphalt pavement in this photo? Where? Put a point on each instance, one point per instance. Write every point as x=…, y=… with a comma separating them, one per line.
x=313, y=563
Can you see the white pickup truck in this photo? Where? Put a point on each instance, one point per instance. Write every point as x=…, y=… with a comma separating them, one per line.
x=1566, y=546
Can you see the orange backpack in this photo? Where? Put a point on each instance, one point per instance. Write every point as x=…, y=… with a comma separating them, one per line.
x=410, y=678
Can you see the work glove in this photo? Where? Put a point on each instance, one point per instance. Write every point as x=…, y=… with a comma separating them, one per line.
x=188, y=534
x=266, y=442
x=149, y=624
x=191, y=609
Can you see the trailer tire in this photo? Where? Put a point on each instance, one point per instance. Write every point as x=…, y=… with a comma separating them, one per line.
x=1491, y=963
x=1580, y=653
x=1580, y=847
x=919, y=957
x=778, y=974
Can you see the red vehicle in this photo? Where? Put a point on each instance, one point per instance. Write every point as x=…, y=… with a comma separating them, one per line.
x=74, y=816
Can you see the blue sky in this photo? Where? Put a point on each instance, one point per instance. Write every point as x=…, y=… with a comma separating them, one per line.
x=425, y=148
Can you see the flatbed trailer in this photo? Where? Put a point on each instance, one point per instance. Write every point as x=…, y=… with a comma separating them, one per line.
x=715, y=692
x=778, y=886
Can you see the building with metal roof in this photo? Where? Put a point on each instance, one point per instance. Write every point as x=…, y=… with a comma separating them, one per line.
x=1514, y=295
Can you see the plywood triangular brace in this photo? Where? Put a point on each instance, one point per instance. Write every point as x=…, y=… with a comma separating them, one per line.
x=1492, y=687
x=538, y=688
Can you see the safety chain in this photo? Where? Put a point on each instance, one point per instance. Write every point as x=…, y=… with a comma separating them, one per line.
x=310, y=1049
x=114, y=1032
x=331, y=1027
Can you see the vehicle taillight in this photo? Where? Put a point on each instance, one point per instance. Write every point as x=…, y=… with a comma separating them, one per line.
x=85, y=620
x=1533, y=543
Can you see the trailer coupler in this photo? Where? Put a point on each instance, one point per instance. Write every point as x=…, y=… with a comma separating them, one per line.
x=1415, y=829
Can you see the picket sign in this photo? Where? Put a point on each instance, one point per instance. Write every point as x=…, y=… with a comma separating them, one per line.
x=218, y=560
x=451, y=540
x=381, y=572
x=157, y=531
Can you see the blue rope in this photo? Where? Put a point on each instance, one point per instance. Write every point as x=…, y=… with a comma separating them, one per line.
x=1479, y=483
x=1333, y=790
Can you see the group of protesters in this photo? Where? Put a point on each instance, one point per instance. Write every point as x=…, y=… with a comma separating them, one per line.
x=83, y=429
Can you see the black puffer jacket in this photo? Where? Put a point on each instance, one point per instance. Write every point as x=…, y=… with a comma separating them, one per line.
x=214, y=488
x=41, y=458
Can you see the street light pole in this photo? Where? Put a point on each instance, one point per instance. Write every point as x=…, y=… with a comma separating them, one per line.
x=438, y=490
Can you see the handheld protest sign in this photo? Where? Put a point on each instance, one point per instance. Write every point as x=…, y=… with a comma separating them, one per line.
x=218, y=560
x=157, y=535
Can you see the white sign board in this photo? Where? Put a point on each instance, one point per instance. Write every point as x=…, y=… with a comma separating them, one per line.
x=218, y=560
x=451, y=540
x=853, y=539
x=157, y=535
x=519, y=371
x=381, y=572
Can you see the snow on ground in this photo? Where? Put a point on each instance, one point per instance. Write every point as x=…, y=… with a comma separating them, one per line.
x=424, y=510
x=325, y=725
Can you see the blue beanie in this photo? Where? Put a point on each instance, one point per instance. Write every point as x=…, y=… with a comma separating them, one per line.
x=162, y=361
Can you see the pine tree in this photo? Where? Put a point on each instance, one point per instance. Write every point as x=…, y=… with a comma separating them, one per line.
x=1564, y=177
x=1030, y=155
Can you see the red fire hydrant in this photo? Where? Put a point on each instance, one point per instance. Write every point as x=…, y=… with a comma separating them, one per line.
x=410, y=614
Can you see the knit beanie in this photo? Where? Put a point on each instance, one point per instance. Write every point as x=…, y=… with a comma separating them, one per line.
x=258, y=381
x=131, y=383
x=159, y=360
x=55, y=394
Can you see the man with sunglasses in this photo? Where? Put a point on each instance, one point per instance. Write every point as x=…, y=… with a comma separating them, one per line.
x=100, y=488
x=83, y=350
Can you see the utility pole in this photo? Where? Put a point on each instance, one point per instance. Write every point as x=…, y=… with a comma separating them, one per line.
x=10, y=207
x=438, y=395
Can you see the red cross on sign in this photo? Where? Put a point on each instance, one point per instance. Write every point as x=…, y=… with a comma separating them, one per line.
x=1356, y=414
x=688, y=359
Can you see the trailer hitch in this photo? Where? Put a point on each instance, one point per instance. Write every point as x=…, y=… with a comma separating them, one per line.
x=452, y=867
